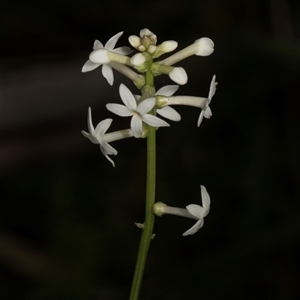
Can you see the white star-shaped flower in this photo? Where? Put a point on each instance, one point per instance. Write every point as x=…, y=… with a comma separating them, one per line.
x=96, y=136
x=206, y=112
x=138, y=112
x=167, y=111
x=199, y=212
x=106, y=68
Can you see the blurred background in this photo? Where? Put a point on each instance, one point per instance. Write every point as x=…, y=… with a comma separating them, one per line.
x=67, y=216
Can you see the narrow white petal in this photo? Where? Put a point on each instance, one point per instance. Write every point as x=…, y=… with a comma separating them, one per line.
x=167, y=90
x=205, y=199
x=136, y=126
x=89, y=66
x=90, y=137
x=108, y=148
x=106, y=155
x=195, y=228
x=196, y=210
x=127, y=97
x=207, y=112
x=154, y=121
x=200, y=118
x=123, y=50
x=90, y=121
x=107, y=73
x=85, y=134
x=146, y=105
x=169, y=113
x=110, y=44
x=102, y=127
x=97, y=45
x=213, y=87
x=119, y=109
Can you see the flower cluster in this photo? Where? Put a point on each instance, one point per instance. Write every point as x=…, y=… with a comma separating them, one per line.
x=143, y=109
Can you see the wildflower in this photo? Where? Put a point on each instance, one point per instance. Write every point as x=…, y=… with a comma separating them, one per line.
x=167, y=111
x=106, y=68
x=137, y=111
x=206, y=111
x=98, y=136
x=201, y=47
x=192, y=211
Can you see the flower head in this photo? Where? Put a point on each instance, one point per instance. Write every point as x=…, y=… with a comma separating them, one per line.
x=106, y=68
x=96, y=135
x=206, y=111
x=139, y=112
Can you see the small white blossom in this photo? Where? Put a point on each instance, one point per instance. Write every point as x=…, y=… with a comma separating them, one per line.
x=106, y=68
x=167, y=111
x=192, y=211
x=138, y=112
x=96, y=135
x=206, y=111
x=199, y=212
x=201, y=47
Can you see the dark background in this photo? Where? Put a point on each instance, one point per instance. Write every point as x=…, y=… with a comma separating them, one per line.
x=67, y=216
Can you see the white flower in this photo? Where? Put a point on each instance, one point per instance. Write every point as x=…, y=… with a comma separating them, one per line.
x=199, y=212
x=192, y=211
x=167, y=111
x=206, y=111
x=201, y=47
x=138, y=112
x=106, y=68
x=96, y=135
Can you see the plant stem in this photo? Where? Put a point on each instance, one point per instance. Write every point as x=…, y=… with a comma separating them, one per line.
x=150, y=200
x=149, y=219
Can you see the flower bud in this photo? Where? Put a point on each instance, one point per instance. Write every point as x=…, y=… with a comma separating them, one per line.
x=134, y=41
x=159, y=208
x=138, y=59
x=178, y=75
x=100, y=56
x=205, y=47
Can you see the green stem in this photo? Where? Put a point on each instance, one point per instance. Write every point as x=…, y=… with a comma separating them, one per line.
x=150, y=200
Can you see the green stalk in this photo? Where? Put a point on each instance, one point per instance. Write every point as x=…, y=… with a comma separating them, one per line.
x=150, y=200
x=149, y=219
